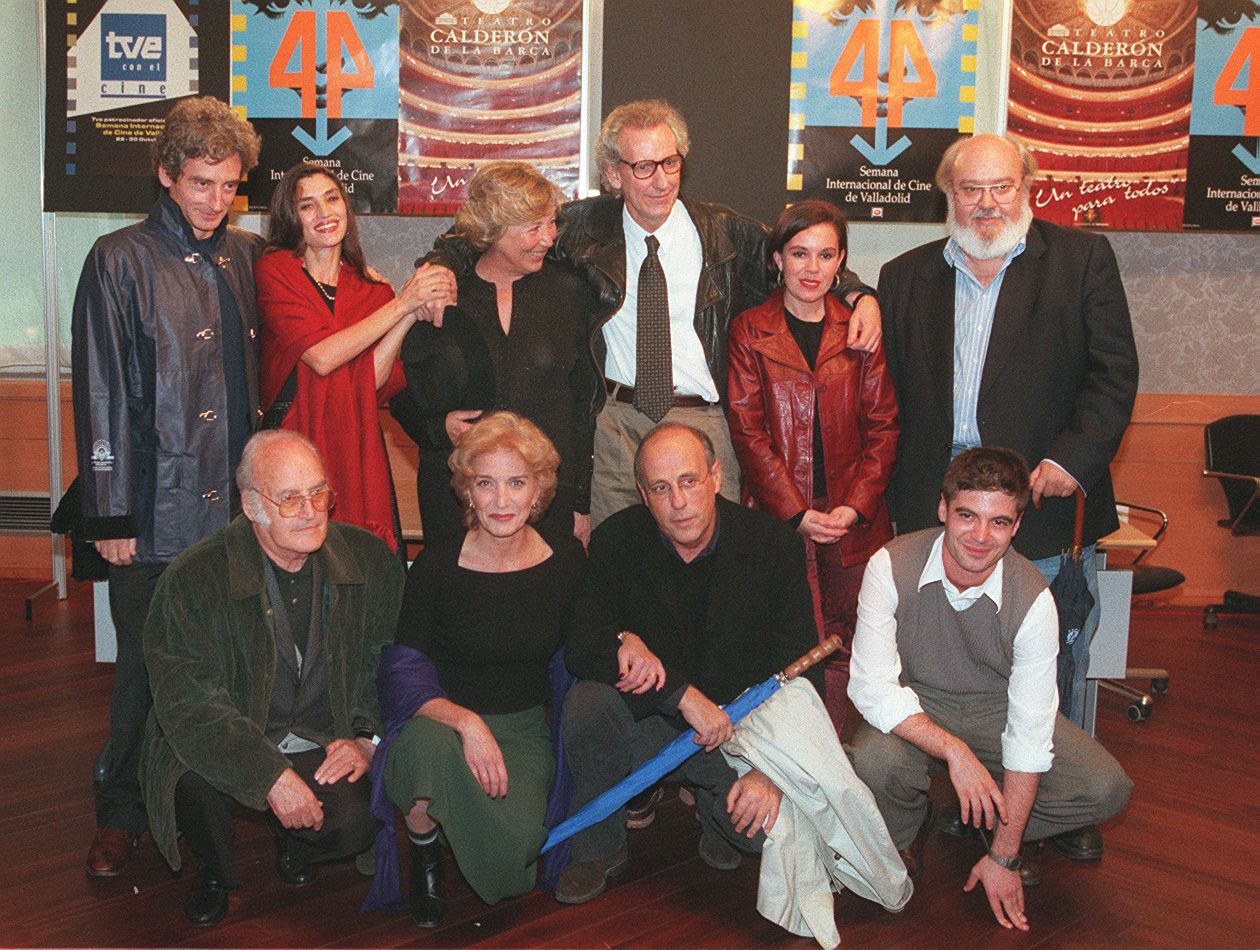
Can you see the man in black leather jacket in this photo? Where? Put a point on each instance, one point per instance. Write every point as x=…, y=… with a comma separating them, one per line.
x=164, y=370
x=715, y=267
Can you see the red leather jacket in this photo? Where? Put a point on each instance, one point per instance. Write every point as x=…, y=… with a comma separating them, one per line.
x=771, y=392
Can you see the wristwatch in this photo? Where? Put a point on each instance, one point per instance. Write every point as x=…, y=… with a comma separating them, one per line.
x=1001, y=860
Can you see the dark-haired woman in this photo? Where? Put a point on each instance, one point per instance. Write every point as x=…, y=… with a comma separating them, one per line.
x=331, y=332
x=814, y=424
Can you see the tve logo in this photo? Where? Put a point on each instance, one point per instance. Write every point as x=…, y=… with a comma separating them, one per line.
x=133, y=49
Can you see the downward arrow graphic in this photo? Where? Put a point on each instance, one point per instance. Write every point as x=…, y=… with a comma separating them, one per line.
x=1251, y=161
x=881, y=153
x=321, y=144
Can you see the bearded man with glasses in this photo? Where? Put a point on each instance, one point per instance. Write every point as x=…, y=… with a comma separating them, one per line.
x=262, y=646
x=1011, y=332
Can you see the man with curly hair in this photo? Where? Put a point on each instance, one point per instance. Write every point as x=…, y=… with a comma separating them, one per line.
x=164, y=371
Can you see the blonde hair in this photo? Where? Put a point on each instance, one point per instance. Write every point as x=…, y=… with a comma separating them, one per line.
x=500, y=195
x=505, y=431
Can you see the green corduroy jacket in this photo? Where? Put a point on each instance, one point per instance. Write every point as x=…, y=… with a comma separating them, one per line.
x=209, y=645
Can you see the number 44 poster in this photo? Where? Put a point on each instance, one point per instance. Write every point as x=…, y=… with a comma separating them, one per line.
x=879, y=90
x=319, y=81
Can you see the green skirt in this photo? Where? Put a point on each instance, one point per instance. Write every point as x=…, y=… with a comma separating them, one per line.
x=495, y=840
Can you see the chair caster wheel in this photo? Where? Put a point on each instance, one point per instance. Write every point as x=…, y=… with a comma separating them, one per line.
x=1159, y=686
x=1140, y=710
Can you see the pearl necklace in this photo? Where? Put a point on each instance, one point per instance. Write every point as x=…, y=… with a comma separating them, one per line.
x=320, y=285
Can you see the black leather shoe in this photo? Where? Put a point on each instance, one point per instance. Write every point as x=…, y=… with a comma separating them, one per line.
x=207, y=903
x=428, y=901
x=950, y=822
x=1083, y=844
x=289, y=868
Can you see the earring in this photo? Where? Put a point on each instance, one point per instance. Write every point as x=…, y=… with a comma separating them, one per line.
x=835, y=284
x=778, y=277
x=470, y=504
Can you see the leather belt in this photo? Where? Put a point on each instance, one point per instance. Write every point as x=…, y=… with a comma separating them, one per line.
x=623, y=393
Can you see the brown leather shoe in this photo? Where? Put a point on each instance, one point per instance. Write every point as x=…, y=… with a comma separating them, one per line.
x=912, y=857
x=111, y=852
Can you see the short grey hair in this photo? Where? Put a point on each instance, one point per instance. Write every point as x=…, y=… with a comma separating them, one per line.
x=639, y=114
x=945, y=171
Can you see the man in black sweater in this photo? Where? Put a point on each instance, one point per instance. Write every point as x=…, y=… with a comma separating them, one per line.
x=687, y=602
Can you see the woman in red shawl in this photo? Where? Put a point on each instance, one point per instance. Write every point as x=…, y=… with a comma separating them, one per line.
x=331, y=330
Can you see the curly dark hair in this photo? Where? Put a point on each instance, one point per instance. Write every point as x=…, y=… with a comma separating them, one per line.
x=204, y=127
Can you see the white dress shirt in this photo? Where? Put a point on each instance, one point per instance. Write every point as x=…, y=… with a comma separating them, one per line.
x=681, y=258
x=1032, y=693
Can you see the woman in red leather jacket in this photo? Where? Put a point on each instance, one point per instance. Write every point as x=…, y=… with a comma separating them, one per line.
x=814, y=424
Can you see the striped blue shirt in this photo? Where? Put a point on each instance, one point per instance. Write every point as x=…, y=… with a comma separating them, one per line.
x=974, y=307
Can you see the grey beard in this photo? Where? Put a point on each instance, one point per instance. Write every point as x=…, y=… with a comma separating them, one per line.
x=1001, y=244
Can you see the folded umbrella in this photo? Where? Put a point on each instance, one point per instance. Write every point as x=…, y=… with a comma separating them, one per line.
x=680, y=750
x=1073, y=602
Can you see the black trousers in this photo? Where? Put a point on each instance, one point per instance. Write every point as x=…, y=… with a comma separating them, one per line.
x=118, y=800
x=203, y=814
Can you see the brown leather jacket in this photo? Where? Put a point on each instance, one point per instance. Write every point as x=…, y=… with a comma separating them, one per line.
x=771, y=392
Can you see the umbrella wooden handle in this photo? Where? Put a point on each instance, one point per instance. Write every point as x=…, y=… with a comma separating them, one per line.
x=816, y=655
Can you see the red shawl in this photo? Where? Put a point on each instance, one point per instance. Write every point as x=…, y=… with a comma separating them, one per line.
x=337, y=412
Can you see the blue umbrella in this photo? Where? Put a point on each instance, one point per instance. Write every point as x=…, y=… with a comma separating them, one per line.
x=680, y=750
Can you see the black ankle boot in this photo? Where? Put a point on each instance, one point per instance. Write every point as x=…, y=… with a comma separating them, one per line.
x=428, y=902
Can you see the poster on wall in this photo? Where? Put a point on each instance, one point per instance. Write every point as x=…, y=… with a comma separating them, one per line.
x=1223, y=179
x=319, y=81
x=1100, y=90
x=485, y=80
x=878, y=91
x=115, y=68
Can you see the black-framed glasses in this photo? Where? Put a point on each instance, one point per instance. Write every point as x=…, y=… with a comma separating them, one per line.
x=647, y=168
x=290, y=505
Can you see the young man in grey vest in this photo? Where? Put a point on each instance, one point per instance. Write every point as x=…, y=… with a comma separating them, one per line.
x=953, y=668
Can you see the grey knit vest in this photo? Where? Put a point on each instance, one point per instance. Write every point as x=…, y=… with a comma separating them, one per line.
x=967, y=651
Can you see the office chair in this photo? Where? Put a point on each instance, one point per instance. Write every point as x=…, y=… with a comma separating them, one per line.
x=1147, y=579
x=1231, y=454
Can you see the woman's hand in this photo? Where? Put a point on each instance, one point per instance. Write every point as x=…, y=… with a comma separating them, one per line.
x=458, y=422
x=822, y=527
x=484, y=758
x=428, y=292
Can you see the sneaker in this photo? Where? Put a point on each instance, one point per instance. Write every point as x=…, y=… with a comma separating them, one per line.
x=641, y=810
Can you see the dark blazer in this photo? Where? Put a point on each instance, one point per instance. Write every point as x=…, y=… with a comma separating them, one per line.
x=760, y=613
x=1059, y=378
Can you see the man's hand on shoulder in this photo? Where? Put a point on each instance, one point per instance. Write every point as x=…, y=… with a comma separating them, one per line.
x=712, y=724
x=118, y=551
x=1004, y=889
x=753, y=804
x=293, y=802
x=866, y=328
x=639, y=668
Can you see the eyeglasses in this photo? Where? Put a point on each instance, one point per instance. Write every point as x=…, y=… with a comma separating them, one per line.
x=647, y=168
x=659, y=491
x=290, y=505
x=1002, y=192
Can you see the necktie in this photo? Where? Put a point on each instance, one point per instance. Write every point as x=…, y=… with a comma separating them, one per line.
x=653, y=357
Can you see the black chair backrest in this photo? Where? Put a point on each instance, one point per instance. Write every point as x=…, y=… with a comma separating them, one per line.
x=1232, y=445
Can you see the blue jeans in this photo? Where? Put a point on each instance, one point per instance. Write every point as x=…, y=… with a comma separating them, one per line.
x=1049, y=568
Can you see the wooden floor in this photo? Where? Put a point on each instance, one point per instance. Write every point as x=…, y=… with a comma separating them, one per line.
x=1180, y=870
